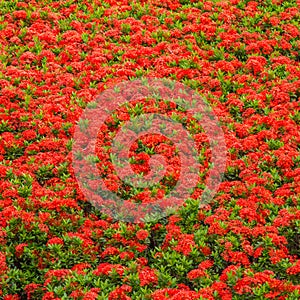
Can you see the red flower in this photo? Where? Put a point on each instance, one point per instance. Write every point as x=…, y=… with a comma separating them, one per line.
x=3, y=266
x=120, y=293
x=206, y=264
x=50, y=296
x=194, y=274
x=295, y=269
x=110, y=251
x=79, y=268
x=55, y=240
x=92, y=294
x=20, y=249
x=127, y=255
x=30, y=288
x=185, y=244
x=256, y=64
x=11, y=297
x=20, y=14
x=142, y=234
x=147, y=276
x=106, y=268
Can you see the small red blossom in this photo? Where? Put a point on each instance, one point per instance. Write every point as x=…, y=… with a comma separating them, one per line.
x=295, y=269
x=55, y=240
x=142, y=234
x=147, y=276
x=20, y=249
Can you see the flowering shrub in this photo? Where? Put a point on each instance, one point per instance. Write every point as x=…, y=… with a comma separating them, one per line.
x=243, y=56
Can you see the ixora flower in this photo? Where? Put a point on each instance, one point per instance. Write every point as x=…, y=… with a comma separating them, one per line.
x=147, y=276
x=142, y=234
x=55, y=241
x=120, y=293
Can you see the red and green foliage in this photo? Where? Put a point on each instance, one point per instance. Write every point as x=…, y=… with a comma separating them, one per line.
x=243, y=56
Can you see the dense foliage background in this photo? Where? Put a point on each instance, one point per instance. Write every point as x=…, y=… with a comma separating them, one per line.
x=243, y=56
